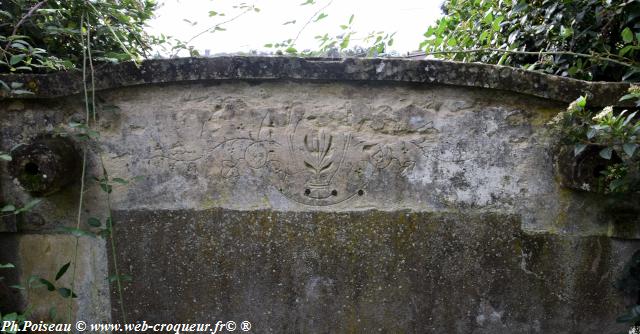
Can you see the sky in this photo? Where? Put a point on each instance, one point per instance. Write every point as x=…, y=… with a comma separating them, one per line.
x=409, y=19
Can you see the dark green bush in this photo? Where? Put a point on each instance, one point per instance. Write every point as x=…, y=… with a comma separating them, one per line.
x=45, y=35
x=598, y=28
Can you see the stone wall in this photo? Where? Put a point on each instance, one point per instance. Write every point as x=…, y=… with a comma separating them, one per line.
x=323, y=196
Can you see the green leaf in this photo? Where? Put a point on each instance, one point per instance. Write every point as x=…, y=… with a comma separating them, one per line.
x=104, y=232
x=291, y=50
x=19, y=46
x=606, y=153
x=66, y=293
x=592, y=132
x=629, y=97
x=629, y=148
x=629, y=118
x=624, y=50
x=29, y=206
x=627, y=35
x=106, y=187
x=320, y=17
x=289, y=22
x=6, y=14
x=579, y=148
x=345, y=42
x=351, y=18
x=94, y=222
x=615, y=184
x=566, y=31
x=48, y=284
x=120, y=180
x=10, y=317
x=16, y=59
x=4, y=86
x=8, y=208
x=62, y=270
x=268, y=45
x=6, y=266
x=582, y=101
x=572, y=70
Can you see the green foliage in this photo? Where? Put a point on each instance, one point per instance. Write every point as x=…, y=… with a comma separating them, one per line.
x=39, y=282
x=174, y=45
x=11, y=209
x=376, y=43
x=39, y=36
x=36, y=282
x=46, y=35
x=18, y=318
x=586, y=39
x=615, y=133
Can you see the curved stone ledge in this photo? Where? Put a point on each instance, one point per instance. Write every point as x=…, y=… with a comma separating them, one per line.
x=323, y=69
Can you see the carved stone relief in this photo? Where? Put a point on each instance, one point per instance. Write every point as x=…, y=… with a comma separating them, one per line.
x=311, y=164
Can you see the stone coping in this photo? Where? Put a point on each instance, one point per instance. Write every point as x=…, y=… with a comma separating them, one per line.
x=157, y=71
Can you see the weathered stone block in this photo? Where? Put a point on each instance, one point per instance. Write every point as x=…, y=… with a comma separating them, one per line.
x=321, y=195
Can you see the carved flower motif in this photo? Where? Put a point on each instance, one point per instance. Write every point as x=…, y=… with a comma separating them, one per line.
x=381, y=156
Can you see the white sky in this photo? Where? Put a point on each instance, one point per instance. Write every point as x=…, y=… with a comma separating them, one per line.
x=408, y=18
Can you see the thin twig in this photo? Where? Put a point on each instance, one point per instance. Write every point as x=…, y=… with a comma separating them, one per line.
x=93, y=81
x=124, y=47
x=309, y=21
x=114, y=255
x=535, y=53
x=219, y=24
x=84, y=167
x=24, y=18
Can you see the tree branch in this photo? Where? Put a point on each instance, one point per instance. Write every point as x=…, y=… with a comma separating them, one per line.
x=309, y=21
x=24, y=18
x=219, y=24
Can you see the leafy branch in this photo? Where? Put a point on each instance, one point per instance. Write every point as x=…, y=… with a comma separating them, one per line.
x=217, y=26
x=23, y=19
x=311, y=19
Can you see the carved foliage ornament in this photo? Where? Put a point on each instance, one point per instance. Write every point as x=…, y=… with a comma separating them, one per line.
x=311, y=164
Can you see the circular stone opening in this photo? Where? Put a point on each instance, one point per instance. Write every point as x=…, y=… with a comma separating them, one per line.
x=307, y=192
x=334, y=192
x=31, y=168
x=360, y=192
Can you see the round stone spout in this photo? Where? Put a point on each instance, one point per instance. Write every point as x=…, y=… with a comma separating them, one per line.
x=45, y=166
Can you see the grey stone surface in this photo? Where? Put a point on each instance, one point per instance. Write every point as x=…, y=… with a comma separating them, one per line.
x=305, y=194
x=366, y=272
x=323, y=69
